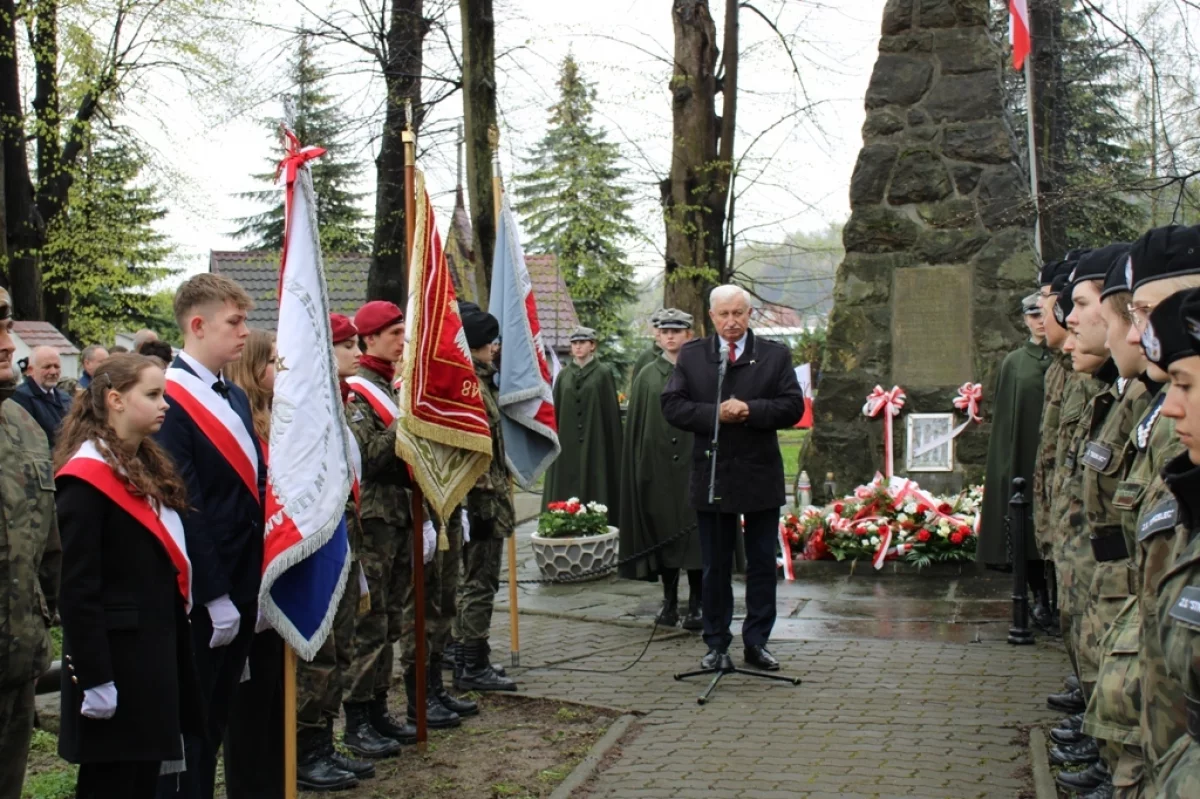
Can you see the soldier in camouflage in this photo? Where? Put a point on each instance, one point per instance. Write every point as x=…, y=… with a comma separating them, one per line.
x=30, y=555
x=371, y=730
x=491, y=519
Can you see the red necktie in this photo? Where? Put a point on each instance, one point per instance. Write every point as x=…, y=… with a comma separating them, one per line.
x=732, y=353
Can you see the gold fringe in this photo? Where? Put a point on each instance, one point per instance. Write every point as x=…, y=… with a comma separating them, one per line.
x=443, y=541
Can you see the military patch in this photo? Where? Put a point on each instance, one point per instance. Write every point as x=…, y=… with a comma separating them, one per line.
x=1145, y=426
x=1193, y=327
x=1162, y=516
x=45, y=473
x=1187, y=608
x=1059, y=316
x=1122, y=384
x=358, y=416
x=1128, y=494
x=1129, y=272
x=1151, y=344
x=1097, y=456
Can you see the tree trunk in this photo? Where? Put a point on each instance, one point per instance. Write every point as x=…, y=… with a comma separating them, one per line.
x=388, y=276
x=694, y=194
x=479, y=110
x=23, y=224
x=1048, y=123
x=53, y=177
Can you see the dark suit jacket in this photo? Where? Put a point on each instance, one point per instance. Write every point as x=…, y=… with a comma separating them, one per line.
x=224, y=527
x=123, y=622
x=47, y=409
x=749, y=466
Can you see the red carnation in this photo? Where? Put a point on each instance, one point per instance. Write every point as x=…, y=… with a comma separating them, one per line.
x=838, y=508
x=923, y=508
x=956, y=538
x=944, y=508
x=861, y=530
x=923, y=536
x=964, y=531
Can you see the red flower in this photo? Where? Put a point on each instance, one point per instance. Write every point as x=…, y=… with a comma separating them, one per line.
x=553, y=506
x=838, y=508
x=956, y=538
x=923, y=508
x=861, y=530
x=923, y=536
x=572, y=507
x=964, y=531
x=944, y=508
x=883, y=530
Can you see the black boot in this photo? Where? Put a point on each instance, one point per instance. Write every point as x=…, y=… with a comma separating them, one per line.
x=363, y=769
x=361, y=737
x=1086, y=751
x=1105, y=790
x=1084, y=781
x=437, y=717
x=1069, y=701
x=314, y=770
x=388, y=725
x=669, y=615
x=463, y=707
x=478, y=674
x=496, y=667
x=693, y=621
x=449, y=656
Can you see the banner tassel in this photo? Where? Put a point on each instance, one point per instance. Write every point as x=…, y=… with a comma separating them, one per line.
x=443, y=541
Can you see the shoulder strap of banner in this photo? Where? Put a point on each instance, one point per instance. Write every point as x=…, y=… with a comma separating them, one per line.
x=219, y=422
x=376, y=397
x=163, y=523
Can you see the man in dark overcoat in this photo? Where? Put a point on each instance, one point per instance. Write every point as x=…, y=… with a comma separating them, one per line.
x=758, y=397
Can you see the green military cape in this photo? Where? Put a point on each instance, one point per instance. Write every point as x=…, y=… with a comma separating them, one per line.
x=1012, y=448
x=655, y=468
x=647, y=356
x=589, y=430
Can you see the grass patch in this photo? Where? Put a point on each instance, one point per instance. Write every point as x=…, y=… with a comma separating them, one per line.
x=790, y=442
x=56, y=643
x=54, y=784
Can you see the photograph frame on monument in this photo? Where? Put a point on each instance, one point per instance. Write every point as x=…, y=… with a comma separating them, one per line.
x=922, y=429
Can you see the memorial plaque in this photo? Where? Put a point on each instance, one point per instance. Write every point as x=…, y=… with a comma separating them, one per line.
x=930, y=445
x=931, y=326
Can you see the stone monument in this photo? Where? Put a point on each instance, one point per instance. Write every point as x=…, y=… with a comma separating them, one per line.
x=939, y=245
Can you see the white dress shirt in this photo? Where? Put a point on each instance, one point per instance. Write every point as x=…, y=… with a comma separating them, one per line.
x=739, y=346
x=201, y=371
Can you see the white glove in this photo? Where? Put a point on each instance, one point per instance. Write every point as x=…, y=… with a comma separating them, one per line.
x=100, y=702
x=225, y=621
x=466, y=527
x=430, y=539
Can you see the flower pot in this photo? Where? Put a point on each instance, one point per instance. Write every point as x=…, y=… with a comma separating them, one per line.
x=559, y=558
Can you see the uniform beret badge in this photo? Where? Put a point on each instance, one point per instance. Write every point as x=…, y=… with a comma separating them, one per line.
x=1151, y=344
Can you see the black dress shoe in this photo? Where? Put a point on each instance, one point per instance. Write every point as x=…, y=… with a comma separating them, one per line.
x=1084, y=781
x=1103, y=791
x=1070, y=701
x=712, y=659
x=1086, y=751
x=760, y=658
x=1064, y=736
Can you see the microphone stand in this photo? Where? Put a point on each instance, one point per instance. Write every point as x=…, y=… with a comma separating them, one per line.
x=725, y=662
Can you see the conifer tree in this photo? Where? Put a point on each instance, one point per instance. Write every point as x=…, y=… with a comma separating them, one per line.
x=575, y=207
x=341, y=221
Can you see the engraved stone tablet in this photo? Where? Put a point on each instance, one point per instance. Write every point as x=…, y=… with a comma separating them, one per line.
x=929, y=446
x=931, y=326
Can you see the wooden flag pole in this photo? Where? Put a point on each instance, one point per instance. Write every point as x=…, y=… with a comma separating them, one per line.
x=514, y=622
x=418, y=501
x=289, y=722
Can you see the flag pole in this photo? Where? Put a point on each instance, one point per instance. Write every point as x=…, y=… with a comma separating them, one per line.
x=1033, y=163
x=289, y=722
x=514, y=623
x=409, y=137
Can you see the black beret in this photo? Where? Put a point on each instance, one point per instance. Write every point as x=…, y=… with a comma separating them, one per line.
x=1049, y=270
x=1165, y=339
x=1114, y=279
x=1164, y=252
x=1094, y=264
x=1190, y=314
x=480, y=326
x=1064, y=304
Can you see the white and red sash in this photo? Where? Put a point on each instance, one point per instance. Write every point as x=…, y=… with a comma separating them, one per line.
x=384, y=405
x=164, y=524
x=219, y=422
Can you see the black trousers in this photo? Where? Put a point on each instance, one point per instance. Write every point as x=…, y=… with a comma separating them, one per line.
x=254, y=737
x=718, y=543
x=121, y=780
x=219, y=671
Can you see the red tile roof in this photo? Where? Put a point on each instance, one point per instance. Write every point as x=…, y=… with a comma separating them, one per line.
x=44, y=334
x=556, y=309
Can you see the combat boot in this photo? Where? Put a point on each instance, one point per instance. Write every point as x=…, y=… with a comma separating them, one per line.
x=478, y=674
x=1086, y=751
x=496, y=667
x=694, y=620
x=669, y=615
x=437, y=717
x=362, y=769
x=1104, y=791
x=463, y=707
x=314, y=770
x=1069, y=701
x=450, y=656
x=1084, y=781
x=388, y=725
x=1069, y=732
x=362, y=738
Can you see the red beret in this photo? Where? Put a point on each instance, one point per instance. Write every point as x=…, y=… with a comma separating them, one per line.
x=377, y=315
x=342, y=328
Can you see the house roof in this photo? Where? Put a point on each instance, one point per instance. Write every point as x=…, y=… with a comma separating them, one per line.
x=556, y=309
x=44, y=334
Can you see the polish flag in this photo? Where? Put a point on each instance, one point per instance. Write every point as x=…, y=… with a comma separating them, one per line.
x=1018, y=31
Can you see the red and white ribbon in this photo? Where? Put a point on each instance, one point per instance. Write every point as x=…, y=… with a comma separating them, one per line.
x=969, y=397
x=887, y=403
x=785, y=559
x=885, y=541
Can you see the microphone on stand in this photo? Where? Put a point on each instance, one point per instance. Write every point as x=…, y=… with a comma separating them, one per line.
x=722, y=362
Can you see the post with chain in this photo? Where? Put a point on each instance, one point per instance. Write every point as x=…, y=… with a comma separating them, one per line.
x=1018, y=518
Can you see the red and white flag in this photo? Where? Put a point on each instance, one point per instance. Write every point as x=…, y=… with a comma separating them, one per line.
x=1018, y=31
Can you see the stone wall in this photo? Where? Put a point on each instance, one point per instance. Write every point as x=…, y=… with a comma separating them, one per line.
x=939, y=245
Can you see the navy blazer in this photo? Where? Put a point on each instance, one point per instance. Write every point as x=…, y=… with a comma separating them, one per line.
x=47, y=410
x=224, y=527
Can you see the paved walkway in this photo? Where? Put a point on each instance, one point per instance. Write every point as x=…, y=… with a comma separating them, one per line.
x=909, y=689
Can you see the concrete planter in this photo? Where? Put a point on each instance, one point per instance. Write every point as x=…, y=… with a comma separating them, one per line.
x=559, y=558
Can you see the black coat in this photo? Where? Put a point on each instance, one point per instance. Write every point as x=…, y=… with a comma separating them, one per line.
x=749, y=466
x=224, y=527
x=47, y=408
x=123, y=622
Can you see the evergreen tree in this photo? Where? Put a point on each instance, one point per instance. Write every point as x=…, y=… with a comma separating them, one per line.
x=105, y=248
x=318, y=123
x=575, y=207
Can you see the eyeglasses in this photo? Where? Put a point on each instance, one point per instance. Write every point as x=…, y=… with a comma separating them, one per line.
x=1140, y=314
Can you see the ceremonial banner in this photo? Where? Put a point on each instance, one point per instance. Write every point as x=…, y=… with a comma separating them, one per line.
x=306, y=552
x=526, y=383
x=443, y=431
x=1018, y=31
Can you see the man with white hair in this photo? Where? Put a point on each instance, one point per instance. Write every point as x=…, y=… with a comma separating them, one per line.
x=91, y=357
x=40, y=394
x=142, y=336
x=759, y=396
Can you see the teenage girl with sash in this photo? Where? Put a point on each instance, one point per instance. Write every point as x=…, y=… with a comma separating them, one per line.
x=128, y=682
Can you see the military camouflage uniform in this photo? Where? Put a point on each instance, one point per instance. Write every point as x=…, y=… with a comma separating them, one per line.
x=492, y=518
x=1043, y=473
x=1178, y=611
x=30, y=558
x=386, y=527
x=441, y=583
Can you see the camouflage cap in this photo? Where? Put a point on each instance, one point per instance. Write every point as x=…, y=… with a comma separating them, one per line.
x=673, y=319
x=654, y=317
x=583, y=334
